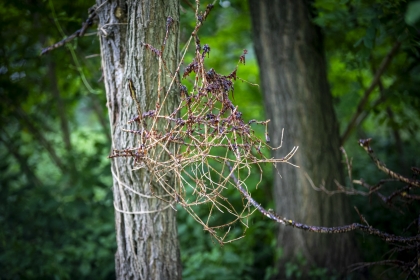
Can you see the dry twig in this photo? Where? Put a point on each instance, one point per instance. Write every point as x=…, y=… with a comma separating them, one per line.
x=187, y=151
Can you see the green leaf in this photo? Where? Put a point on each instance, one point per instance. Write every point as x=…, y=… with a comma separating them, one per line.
x=413, y=13
x=358, y=42
x=369, y=38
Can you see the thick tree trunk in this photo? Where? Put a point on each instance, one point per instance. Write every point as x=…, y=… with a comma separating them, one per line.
x=146, y=227
x=297, y=98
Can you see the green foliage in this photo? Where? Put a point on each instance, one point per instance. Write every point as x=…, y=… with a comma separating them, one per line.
x=294, y=269
x=358, y=37
x=412, y=16
x=371, y=29
x=55, y=196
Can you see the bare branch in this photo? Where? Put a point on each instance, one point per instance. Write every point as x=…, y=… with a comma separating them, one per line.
x=79, y=33
x=362, y=218
x=341, y=229
x=364, y=143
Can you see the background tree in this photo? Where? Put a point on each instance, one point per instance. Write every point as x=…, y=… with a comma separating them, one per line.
x=145, y=225
x=297, y=98
x=55, y=201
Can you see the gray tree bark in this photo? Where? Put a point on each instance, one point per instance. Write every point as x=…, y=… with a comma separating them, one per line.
x=297, y=98
x=146, y=227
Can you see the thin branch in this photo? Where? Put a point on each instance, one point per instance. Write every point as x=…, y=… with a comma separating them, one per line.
x=341, y=229
x=401, y=192
x=384, y=64
x=61, y=106
x=362, y=218
x=189, y=4
x=39, y=137
x=143, y=212
x=96, y=106
x=92, y=55
x=357, y=266
x=364, y=143
x=340, y=188
x=79, y=33
x=366, y=112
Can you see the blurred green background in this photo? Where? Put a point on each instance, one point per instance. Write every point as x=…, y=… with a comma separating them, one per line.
x=56, y=211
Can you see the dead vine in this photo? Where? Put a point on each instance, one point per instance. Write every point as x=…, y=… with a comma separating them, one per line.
x=193, y=152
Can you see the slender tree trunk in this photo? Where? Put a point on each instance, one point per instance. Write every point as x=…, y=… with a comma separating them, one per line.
x=297, y=98
x=146, y=227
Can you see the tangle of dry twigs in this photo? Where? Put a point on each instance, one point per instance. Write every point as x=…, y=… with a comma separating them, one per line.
x=193, y=152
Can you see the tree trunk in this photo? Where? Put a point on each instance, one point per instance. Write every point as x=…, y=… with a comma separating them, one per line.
x=297, y=98
x=146, y=227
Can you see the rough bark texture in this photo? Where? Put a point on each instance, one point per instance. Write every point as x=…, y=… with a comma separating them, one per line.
x=297, y=98
x=147, y=243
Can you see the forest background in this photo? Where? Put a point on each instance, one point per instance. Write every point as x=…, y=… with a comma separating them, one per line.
x=56, y=210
